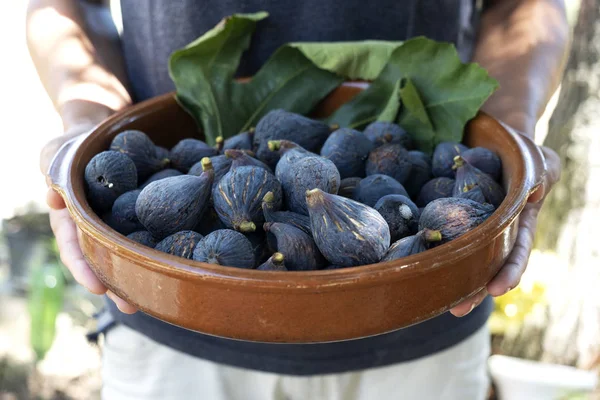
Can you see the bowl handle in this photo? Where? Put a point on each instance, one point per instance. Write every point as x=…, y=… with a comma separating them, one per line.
x=58, y=172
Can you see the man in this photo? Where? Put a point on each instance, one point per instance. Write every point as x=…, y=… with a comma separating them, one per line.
x=89, y=75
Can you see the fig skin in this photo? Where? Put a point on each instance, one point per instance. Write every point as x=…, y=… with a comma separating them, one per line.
x=468, y=176
x=372, y=188
x=348, y=149
x=143, y=237
x=162, y=153
x=443, y=158
x=180, y=244
x=420, y=172
x=485, y=160
x=275, y=263
x=142, y=151
x=346, y=232
x=209, y=222
x=453, y=217
x=304, y=174
x=401, y=215
x=188, y=152
x=391, y=160
x=289, y=153
x=299, y=249
x=436, y=188
x=259, y=242
x=108, y=175
x=238, y=197
x=165, y=173
x=221, y=165
x=473, y=193
x=240, y=158
x=241, y=141
x=225, y=247
x=333, y=266
x=347, y=186
x=281, y=124
x=380, y=133
x=174, y=204
x=271, y=214
x=409, y=245
x=123, y=213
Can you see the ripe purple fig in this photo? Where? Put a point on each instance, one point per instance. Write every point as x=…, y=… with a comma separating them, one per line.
x=181, y=244
x=300, y=221
x=142, y=151
x=300, y=251
x=188, y=152
x=436, y=188
x=348, y=149
x=390, y=159
x=468, y=176
x=443, y=158
x=485, y=160
x=274, y=263
x=380, y=133
x=401, y=215
x=370, y=189
x=225, y=247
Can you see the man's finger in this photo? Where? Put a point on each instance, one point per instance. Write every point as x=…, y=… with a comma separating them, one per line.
x=121, y=304
x=466, y=306
x=55, y=200
x=70, y=253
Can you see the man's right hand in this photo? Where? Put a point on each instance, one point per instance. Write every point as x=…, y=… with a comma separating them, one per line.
x=66, y=232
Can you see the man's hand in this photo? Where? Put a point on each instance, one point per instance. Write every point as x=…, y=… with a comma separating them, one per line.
x=66, y=232
x=510, y=274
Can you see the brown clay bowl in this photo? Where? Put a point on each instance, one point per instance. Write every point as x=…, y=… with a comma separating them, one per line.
x=292, y=307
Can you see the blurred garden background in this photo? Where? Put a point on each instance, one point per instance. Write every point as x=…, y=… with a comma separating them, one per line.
x=552, y=317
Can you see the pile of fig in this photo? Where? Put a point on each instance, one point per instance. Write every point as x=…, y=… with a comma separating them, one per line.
x=293, y=194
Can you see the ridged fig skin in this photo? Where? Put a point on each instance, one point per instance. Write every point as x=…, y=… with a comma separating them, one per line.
x=271, y=214
x=453, y=217
x=108, y=175
x=241, y=141
x=305, y=174
x=348, y=149
x=165, y=173
x=436, y=188
x=209, y=222
x=180, y=244
x=188, y=152
x=174, y=204
x=258, y=240
x=123, y=213
x=143, y=237
x=299, y=249
x=405, y=247
x=221, y=165
x=474, y=193
x=469, y=176
x=420, y=172
x=225, y=247
x=348, y=186
x=401, y=215
x=391, y=160
x=347, y=232
x=162, y=153
x=240, y=158
x=372, y=188
x=275, y=263
x=484, y=160
x=238, y=197
x=443, y=158
x=281, y=124
x=380, y=133
x=142, y=151
x=289, y=153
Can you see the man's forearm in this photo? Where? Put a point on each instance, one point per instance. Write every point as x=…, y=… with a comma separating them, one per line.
x=79, y=76
x=524, y=45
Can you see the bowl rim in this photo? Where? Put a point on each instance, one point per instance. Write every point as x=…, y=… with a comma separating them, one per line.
x=322, y=280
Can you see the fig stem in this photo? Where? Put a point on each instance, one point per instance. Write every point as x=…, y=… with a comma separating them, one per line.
x=277, y=258
x=313, y=193
x=334, y=127
x=247, y=226
x=274, y=145
x=219, y=143
x=431, y=235
x=269, y=197
x=458, y=162
x=206, y=164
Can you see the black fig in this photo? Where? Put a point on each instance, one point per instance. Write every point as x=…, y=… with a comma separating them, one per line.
x=241, y=141
x=453, y=217
x=123, y=213
x=162, y=153
x=286, y=217
x=401, y=215
x=348, y=149
x=165, y=173
x=299, y=249
x=238, y=196
x=225, y=247
x=174, y=204
x=411, y=245
x=468, y=176
x=473, y=193
x=443, y=158
x=274, y=263
x=420, y=172
x=346, y=232
x=435, y=189
x=333, y=266
x=180, y=244
x=143, y=237
x=221, y=165
x=107, y=176
x=209, y=222
x=380, y=133
x=188, y=152
x=347, y=186
x=289, y=153
x=370, y=189
x=391, y=160
x=258, y=240
x=281, y=124
x=142, y=151
x=485, y=160
x=305, y=174
x=240, y=158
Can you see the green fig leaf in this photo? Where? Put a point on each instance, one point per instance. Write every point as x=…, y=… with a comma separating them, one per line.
x=415, y=118
x=390, y=112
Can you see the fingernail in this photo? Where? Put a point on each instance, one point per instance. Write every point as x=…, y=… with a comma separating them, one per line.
x=472, y=307
x=507, y=290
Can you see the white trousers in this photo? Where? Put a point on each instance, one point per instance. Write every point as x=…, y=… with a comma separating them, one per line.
x=137, y=368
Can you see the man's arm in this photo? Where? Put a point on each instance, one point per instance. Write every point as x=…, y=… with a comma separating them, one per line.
x=524, y=45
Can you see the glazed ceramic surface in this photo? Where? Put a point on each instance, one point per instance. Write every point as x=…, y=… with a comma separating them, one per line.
x=293, y=307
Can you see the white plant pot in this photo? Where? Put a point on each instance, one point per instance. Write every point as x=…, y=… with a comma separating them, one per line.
x=518, y=379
